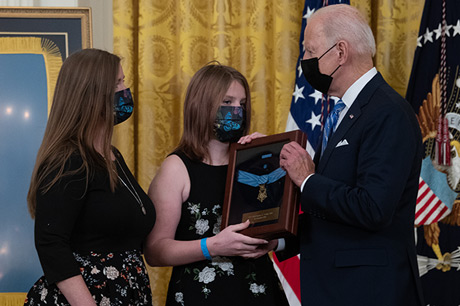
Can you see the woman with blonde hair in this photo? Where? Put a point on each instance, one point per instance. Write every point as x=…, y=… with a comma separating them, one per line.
x=91, y=216
x=211, y=267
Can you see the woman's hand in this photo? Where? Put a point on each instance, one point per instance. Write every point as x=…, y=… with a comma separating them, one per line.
x=250, y=137
x=75, y=291
x=231, y=243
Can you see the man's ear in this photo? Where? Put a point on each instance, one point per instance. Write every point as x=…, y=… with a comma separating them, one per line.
x=343, y=47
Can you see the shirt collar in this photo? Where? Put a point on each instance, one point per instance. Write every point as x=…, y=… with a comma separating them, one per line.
x=353, y=91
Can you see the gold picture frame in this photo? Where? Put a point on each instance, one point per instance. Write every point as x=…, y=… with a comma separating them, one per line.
x=74, y=23
x=53, y=32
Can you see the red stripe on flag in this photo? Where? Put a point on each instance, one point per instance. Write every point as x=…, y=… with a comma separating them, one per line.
x=433, y=209
x=423, y=195
x=440, y=214
x=421, y=183
x=421, y=208
x=291, y=272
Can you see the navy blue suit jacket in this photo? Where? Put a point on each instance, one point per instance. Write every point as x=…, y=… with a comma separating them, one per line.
x=357, y=233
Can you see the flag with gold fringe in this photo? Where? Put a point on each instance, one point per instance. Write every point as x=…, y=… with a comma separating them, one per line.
x=434, y=92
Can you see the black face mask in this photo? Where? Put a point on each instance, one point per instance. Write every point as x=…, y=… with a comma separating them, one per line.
x=314, y=77
x=230, y=123
x=123, y=105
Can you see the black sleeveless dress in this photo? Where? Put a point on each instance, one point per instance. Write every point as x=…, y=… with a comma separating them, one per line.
x=224, y=280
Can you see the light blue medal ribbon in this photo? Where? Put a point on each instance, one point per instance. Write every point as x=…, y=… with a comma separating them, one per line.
x=255, y=180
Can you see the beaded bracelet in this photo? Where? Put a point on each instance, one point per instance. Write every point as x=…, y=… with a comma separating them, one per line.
x=204, y=249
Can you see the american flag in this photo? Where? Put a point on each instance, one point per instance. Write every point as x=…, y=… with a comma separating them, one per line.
x=308, y=108
x=436, y=197
x=434, y=92
x=429, y=208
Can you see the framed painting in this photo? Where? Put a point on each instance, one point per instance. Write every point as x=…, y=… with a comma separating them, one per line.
x=33, y=44
x=259, y=190
x=54, y=33
x=69, y=29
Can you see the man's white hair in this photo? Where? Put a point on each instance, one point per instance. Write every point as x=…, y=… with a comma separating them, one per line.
x=345, y=22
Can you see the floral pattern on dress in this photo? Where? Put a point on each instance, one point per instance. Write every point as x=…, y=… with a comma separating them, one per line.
x=255, y=288
x=219, y=266
x=123, y=281
x=180, y=298
x=224, y=264
x=225, y=277
x=201, y=218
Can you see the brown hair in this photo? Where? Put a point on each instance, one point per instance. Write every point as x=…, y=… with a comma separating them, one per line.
x=204, y=96
x=82, y=109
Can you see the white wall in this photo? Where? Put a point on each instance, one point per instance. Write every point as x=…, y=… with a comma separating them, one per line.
x=102, y=16
x=63, y=3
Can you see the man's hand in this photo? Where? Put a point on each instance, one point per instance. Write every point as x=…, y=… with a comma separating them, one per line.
x=297, y=162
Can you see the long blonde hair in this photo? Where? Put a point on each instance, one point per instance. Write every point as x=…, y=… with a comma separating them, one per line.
x=204, y=96
x=82, y=109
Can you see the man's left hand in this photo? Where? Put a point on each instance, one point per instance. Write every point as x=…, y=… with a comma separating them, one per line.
x=297, y=162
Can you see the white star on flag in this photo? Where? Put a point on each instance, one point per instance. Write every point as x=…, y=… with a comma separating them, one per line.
x=428, y=36
x=314, y=120
x=298, y=93
x=448, y=30
x=309, y=13
x=456, y=28
x=438, y=32
x=317, y=95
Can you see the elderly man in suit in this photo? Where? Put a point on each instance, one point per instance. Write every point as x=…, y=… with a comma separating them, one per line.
x=357, y=233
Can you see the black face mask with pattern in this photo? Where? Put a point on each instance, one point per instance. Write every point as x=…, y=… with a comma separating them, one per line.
x=230, y=123
x=123, y=105
x=314, y=77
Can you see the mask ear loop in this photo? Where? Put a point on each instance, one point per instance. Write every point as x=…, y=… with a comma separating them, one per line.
x=327, y=51
x=325, y=54
x=335, y=70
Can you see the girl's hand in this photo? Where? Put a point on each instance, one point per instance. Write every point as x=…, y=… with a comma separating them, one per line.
x=250, y=137
x=231, y=243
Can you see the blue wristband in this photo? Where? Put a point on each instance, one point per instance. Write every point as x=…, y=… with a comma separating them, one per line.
x=204, y=249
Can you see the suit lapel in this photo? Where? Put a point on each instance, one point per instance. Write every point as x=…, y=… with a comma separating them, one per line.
x=347, y=122
x=350, y=118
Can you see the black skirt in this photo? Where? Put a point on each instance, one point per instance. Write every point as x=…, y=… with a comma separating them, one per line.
x=112, y=279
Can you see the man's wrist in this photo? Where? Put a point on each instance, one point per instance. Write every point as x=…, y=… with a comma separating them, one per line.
x=304, y=181
x=281, y=245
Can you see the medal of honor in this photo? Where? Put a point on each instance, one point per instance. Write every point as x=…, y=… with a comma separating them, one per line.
x=262, y=193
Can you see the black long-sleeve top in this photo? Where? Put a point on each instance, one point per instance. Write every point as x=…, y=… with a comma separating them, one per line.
x=68, y=219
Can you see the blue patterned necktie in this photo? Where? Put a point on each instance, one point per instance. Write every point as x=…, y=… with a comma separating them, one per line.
x=331, y=123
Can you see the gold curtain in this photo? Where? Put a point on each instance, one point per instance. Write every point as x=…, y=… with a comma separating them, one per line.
x=395, y=24
x=12, y=298
x=163, y=43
